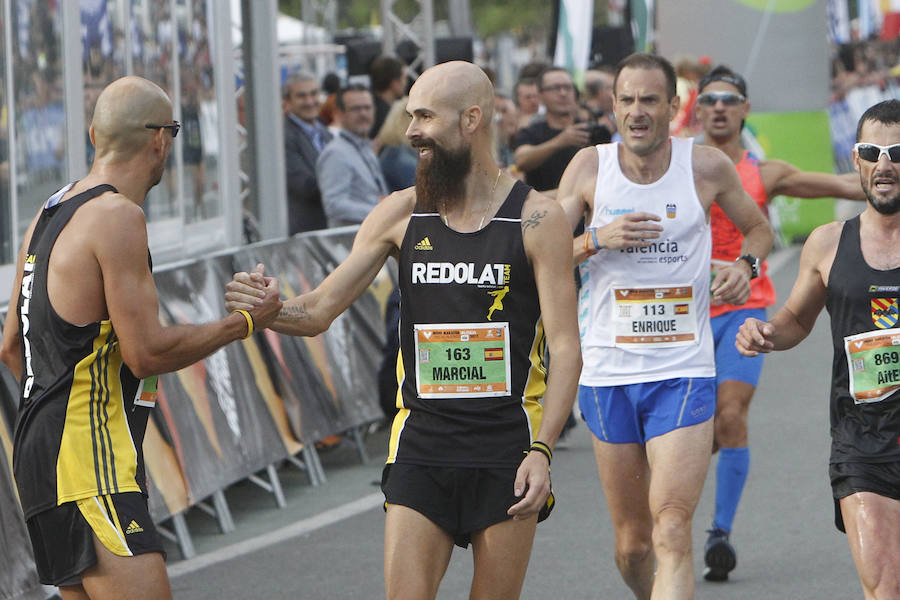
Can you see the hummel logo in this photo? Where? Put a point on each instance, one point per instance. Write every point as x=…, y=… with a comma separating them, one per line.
x=133, y=527
x=424, y=245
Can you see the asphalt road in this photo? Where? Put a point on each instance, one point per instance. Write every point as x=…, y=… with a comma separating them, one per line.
x=327, y=543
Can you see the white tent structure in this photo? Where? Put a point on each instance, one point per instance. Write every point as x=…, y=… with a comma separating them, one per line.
x=291, y=31
x=300, y=45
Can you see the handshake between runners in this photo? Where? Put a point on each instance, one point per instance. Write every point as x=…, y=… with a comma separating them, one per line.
x=254, y=291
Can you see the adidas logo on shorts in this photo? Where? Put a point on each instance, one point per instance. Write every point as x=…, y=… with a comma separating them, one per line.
x=133, y=527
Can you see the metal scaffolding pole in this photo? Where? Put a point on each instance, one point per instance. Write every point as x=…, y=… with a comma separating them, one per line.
x=263, y=101
x=460, y=17
x=320, y=12
x=419, y=30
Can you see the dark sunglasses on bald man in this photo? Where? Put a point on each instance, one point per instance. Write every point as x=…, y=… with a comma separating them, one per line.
x=173, y=127
x=727, y=98
x=873, y=152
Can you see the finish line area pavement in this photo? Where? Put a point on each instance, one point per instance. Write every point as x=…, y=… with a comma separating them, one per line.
x=327, y=542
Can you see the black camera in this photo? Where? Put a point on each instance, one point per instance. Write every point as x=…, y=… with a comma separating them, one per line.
x=599, y=134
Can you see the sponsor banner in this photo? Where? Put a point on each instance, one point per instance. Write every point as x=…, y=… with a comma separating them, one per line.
x=166, y=485
x=212, y=413
x=18, y=577
x=802, y=139
x=328, y=383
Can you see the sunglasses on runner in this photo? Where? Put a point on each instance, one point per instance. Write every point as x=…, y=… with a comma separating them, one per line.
x=173, y=127
x=873, y=152
x=727, y=98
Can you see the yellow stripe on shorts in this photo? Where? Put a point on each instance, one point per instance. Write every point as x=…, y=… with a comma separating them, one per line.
x=105, y=523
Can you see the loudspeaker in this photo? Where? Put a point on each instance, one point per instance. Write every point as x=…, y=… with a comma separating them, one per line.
x=453, y=48
x=445, y=50
x=609, y=45
x=360, y=52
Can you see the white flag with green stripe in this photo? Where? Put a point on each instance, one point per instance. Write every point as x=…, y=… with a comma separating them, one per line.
x=573, y=37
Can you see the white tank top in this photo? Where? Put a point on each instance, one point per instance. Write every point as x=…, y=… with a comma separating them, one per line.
x=644, y=312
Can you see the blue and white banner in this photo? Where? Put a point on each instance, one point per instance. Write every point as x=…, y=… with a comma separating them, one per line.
x=838, y=21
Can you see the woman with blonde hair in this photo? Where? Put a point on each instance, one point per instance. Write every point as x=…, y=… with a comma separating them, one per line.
x=397, y=158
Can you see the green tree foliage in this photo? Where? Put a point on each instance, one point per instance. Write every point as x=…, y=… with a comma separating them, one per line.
x=518, y=17
x=489, y=18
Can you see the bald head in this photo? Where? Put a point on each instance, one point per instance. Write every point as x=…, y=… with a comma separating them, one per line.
x=122, y=110
x=457, y=85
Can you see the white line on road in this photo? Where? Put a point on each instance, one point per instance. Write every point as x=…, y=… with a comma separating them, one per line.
x=329, y=517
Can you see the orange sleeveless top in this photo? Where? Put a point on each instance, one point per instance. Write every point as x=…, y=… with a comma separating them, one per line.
x=727, y=238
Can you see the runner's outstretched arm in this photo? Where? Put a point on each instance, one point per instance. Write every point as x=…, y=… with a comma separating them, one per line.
x=794, y=321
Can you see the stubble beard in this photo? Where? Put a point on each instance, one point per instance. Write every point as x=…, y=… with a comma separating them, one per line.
x=886, y=206
x=889, y=205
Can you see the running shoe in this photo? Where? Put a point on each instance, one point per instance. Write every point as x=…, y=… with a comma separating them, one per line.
x=720, y=556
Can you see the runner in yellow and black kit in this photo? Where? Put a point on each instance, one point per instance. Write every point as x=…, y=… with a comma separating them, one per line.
x=84, y=335
x=485, y=267
x=471, y=374
x=81, y=422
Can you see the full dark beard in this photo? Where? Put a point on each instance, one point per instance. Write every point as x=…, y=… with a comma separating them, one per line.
x=441, y=179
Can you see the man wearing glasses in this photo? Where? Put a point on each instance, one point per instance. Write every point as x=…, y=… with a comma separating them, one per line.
x=86, y=345
x=544, y=148
x=722, y=107
x=348, y=171
x=852, y=268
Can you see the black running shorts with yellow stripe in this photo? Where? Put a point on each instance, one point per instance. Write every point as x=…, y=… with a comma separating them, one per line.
x=63, y=537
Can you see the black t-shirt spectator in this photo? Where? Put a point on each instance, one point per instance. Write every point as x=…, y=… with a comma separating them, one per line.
x=547, y=175
x=382, y=108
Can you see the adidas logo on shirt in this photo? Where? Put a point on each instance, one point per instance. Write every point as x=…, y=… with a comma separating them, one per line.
x=133, y=527
x=424, y=245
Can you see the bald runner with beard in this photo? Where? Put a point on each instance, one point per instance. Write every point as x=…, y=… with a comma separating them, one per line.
x=486, y=288
x=85, y=340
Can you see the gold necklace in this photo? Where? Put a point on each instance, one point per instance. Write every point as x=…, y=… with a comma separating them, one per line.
x=486, y=209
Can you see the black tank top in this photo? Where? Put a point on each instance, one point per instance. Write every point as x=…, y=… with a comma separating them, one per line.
x=862, y=299
x=80, y=425
x=471, y=342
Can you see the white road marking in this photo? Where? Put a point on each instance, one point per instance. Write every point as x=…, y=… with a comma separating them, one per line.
x=324, y=519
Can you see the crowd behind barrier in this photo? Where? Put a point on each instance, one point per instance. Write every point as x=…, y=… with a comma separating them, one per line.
x=252, y=404
x=844, y=113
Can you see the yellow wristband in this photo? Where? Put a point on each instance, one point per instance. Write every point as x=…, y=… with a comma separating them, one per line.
x=249, y=322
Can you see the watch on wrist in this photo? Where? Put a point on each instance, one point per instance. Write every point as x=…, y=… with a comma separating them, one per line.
x=753, y=262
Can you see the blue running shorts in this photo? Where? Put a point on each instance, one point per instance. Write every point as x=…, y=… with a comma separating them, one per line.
x=634, y=413
x=731, y=365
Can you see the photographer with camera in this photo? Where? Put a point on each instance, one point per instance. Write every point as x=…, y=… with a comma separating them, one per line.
x=544, y=149
x=598, y=97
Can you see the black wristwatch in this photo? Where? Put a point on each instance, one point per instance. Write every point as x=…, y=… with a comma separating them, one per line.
x=753, y=262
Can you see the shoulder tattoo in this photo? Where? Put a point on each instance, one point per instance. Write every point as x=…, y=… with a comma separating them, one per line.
x=534, y=220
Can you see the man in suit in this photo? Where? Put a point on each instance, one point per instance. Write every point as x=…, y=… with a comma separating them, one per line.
x=304, y=137
x=348, y=171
